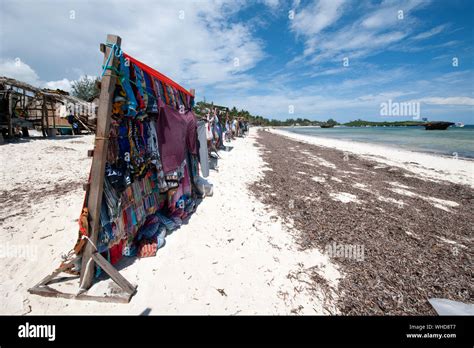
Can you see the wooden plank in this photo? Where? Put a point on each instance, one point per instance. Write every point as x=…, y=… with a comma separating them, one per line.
x=10, y=113
x=98, y=162
x=84, y=125
x=114, y=274
x=60, y=269
x=50, y=292
x=45, y=106
x=54, y=115
x=44, y=116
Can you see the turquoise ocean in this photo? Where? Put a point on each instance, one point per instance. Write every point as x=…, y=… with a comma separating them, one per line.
x=449, y=142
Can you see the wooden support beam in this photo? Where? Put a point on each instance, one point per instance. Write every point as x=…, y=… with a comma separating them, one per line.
x=83, y=124
x=50, y=292
x=10, y=113
x=46, y=114
x=114, y=274
x=54, y=115
x=60, y=269
x=98, y=162
x=44, y=117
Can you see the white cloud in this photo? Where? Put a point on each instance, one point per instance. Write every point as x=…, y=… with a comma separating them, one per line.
x=467, y=101
x=354, y=94
x=430, y=33
x=276, y=105
x=196, y=44
x=409, y=47
x=316, y=17
x=63, y=84
x=271, y=3
x=328, y=72
x=23, y=72
x=384, y=96
x=321, y=107
x=193, y=42
x=391, y=13
x=16, y=69
x=380, y=28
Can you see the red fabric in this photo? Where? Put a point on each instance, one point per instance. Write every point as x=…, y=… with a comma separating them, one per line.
x=157, y=74
x=116, y=252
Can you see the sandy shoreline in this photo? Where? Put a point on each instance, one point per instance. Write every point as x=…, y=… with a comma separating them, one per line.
x=436, y=167
x=233, y=257
x=252, y=248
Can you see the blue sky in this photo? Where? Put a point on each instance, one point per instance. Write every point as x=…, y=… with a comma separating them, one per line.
x=270, y=57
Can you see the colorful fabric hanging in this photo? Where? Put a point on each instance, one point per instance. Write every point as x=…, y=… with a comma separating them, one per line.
x=151, y=157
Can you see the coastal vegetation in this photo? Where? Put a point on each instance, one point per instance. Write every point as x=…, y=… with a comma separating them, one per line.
x=257, y=120
x=362, y=123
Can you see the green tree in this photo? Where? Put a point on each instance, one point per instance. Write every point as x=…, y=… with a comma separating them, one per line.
x=233, y=112
x=85, y=88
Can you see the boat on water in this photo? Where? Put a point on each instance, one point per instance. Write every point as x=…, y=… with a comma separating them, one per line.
x=437, y=125
x=459, y=124
x=327, y=125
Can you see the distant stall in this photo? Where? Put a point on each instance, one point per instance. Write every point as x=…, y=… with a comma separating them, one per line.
x=24, y=107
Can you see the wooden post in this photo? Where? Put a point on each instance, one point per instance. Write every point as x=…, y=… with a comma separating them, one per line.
x=98, y=162
x=44, y=114
x=114, y=274
x=10, y=114
x=54, y=115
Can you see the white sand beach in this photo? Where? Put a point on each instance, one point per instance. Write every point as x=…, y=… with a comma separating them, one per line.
x=233, y=257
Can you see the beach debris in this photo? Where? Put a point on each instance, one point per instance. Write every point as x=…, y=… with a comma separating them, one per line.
x=344, y=197
x=405, y=259
x=319, y=179
x=297, y=310
x=222, y=292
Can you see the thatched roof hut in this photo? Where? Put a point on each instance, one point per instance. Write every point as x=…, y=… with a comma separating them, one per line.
x=23, y=106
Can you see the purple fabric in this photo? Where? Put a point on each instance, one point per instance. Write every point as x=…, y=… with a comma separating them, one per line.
x=191, y=133
x=176, y=133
